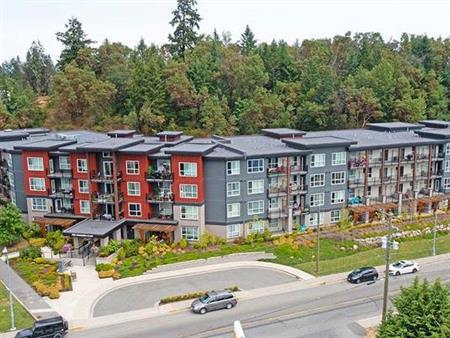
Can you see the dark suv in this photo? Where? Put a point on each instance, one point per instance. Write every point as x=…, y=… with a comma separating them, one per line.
x=55, y=327
x=363, y=275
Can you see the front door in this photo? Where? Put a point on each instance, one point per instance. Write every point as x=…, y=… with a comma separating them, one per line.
x=58, y=205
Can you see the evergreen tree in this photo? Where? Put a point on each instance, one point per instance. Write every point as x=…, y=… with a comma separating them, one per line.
x=186, y=21
x=38, y=69
x=73, y=39
x=248, y=41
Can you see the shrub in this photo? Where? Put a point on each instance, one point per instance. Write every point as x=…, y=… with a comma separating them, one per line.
x=55, y=240
x=40, y=260
x=207, y=239
x=31, y=253
x=41, y=288
x=106, y=274
x=131, y=248
x=53, y=292
x=103, y=267
x=109, y=248
x=121, y=254
x=183, y=243
x=37, y=242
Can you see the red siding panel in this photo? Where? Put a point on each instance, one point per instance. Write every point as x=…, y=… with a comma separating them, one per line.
x=177, y=179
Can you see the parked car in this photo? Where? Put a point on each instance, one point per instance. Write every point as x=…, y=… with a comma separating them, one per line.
x=214, y=300
x=363, y=275
x=402, y=267
x=55, y=327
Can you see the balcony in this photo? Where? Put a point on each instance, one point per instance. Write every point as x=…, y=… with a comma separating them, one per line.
x=105, y=198
x=375, y=161
x=355, y=200
x=437, y=173
x=277, y=190
x=163, y=197
x=159, y=176
x=298, y=211
x=98, y=177
x=439, y=156
x=356, y=181
x=60, y=173
x=357, y=163
x=299, y=169
x=391, y=160
x=373, y=180
x=279, y=170
x=406, y=177
x=277, y=213
x=298, y=188
x=422, y=157
x=62, y=193
x=408, y=158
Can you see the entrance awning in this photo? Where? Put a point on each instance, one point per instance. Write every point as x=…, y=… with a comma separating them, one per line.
x=155, y=227
x=62, y=222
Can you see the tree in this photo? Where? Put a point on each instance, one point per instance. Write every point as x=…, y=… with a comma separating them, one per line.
x=423, y=310
x=186, y=21
x=55, y=240
x=73, y=39
x=38, y=69
x=212, y=115
x=12, y=225
x=248, y=41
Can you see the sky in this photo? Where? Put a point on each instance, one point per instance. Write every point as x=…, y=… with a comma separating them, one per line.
x=22, y=21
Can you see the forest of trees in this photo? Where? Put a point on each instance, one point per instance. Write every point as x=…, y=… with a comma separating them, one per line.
x=208, y=84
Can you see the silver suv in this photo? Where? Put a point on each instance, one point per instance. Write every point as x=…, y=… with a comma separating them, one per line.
x=214, y=300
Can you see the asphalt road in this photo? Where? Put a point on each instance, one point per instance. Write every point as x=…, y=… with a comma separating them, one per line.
x=145, y=295
x=325, y=311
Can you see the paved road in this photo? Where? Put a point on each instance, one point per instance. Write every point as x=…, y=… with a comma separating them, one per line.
x=325, y=311
x=145, y=295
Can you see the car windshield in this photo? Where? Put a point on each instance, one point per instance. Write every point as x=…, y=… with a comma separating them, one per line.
x=204, y=299
x=398, y=265
x=357, y=271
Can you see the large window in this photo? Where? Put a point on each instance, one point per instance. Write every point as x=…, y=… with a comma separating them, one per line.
x=447, y=149
x=316, y=218
x=134, y=188
x=188, y=191
x=338, y=177
x=85, y=207
x=317, y=180
x=188, y=169
x=189, y=212
x=233, y=210
x=66, y=183
x=255, y=187
x=233, y=189
x=64, y=163
x=134, y=209
x=233, y=230
x=338, y=158
x=255, y=207
x=82, y=165
x=37, y=184
x=38, y=204
x=447, y=166
x=255, y=227
x=255, y=166
x=337, y=197
x=233, y=167
x=335, y=216
x=317, y=200
x=132, y=167
x=35, y=163
x=446, y=183
x=189, y=233
x=317, y=160
x=83, y=186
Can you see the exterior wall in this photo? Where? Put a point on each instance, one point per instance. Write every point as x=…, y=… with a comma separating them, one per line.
x=31, y=214
x=200, y=223
x=19, y=180
x=77, y=176
x=198, y=180
x=215, y=191
x=38, y=174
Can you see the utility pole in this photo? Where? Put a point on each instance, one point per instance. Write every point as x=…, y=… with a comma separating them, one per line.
x=318, y=242
x=386, y=273
x=433, y=252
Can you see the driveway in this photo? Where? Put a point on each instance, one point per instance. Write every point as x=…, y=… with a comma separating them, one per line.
x=147, y=294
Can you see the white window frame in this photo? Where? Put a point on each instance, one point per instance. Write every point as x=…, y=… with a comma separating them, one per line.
x=137, y=212
x=233, y=210
x=190, y=233
x=189, y=169
x=447, y=183
x=339, y=158
x=233, y=168
x=43, y=206
x=318, y=160
x=81, y=165
x=317, y=199
x=255, y=227
x=335, y=216
x=34, y=186
x=107, y=154
x=85, y=207
x=255, y=187
x=317, y=183
x=234, y=230
x=257, y=168
x=337, y=181
x=193, y=194
x=81, y=189
x=337, y=197
x=233, y=189
x=35, y=166
x=447, y=166
x=133, y=188
x=316, y=218
x=132, y=167
x=447, y=149
x=189, y=212
x=252, y=210
x=64, y=163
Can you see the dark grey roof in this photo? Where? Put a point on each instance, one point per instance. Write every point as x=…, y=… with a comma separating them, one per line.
x=435, y=123
x=393, y=126
x=121, y=132
x=319, y=142
x=142, y=148
x=191, y=148
x=221, y=151
x=282, y=132
x=169, y=133
x=112, y=144
x=94, y=228
x=435, y=133
x=44, y=144
x=34, y=131
x=10, y=135
x=171, y=142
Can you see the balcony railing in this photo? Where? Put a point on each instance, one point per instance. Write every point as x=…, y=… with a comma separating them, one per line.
x=357, y=163
x=98, y=177
x=422, y=157
x=101, y=198
x=61, y=193
x=159, y=175
x=391, y=159
x=355, y=200
x=437, y=172
x=166, y=197
x=355, y=181
x=60, y=173
x=277, y=170
x=277, y=212
x=298, y=188
x=408, y=158
x=277, y=190
x=299, y=168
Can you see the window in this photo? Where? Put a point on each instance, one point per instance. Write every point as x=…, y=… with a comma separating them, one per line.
x=83, y=186
x=337, y=197
x=107, y=154
x=134, y=209
x=447, y=166
x=37, y=184
x=188, y=191
x=447, y=149
x=335, y=216
x=64, y=162
x=255, y=166
x=233, y=230
x=317, y=199
x=189, y=212
x=338, y=177
x=233, y=167
x=85, y=207
x=9, y=161
x=255, y=207
x=134, y=188
x=11, y=179
x=189, y=233
x=233, y=189
x=317, y=160
x=35, y=163
x=446, y=183
x=317, y=180
x=132, y=167
x=255, y=187
x=316, y=218
x=66, y=183
x=38, y=204
x=188, y=169
x=82, y=165
x=255, y=227
x=338, y=158
x=233, y=210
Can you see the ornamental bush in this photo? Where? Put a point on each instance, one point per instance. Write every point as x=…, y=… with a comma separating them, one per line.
x=31, y=253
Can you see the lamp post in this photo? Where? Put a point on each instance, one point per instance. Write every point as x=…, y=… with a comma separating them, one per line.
x=11, y=305
x=433, y=252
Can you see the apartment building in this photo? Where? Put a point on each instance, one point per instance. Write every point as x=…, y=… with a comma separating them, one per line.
x=124, y=185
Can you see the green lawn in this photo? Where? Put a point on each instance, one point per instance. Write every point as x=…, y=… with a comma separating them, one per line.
x=22, y=318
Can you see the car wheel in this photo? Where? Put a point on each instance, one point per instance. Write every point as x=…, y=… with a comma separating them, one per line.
x=375, y=278
x=203, y=311
x=57, y=335
x=358, y=281
x=414, y=270
x=229, y=306
x=397, y=273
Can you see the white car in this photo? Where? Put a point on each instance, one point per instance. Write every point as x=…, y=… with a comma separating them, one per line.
x=402, y=267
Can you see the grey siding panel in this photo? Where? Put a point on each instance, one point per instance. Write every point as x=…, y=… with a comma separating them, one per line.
x=215, y=206
x=19, y=183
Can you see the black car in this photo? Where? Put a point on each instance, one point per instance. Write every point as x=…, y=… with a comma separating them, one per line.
x=363, y=275
x=55, y=327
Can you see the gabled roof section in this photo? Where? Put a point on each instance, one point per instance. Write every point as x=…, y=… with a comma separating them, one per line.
x=44, y=145
x=393, y=126
x=91, y=228
x=113, y=144
x=191, y=148
x=142, y=148
x=435, y=123
x=319, y=142
x=282, y=132
x=11, y=135
x=121, y=133
x=435, y=133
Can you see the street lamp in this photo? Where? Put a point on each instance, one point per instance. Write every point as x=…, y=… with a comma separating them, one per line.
x=11, y=305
